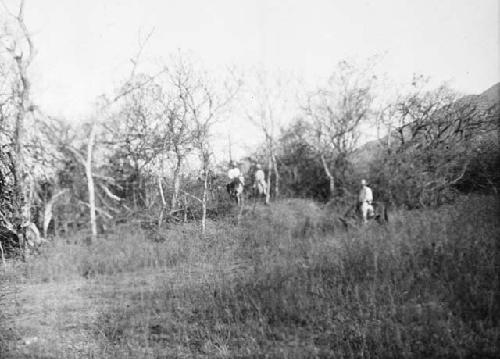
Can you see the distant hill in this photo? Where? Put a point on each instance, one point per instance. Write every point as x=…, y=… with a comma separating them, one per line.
x=489, y=98
x=366, y=154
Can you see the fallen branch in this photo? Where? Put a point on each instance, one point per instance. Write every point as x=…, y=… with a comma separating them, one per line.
x=78, y=156
x=192, y=196
x=106, y=204
x=160, y=187
x=109, y=193
x=98, y=210
x=3, y=258
x=105, y=178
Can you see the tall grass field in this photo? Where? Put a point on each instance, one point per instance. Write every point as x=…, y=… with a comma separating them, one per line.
x=287, y=282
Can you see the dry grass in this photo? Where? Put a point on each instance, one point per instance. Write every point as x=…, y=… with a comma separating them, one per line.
x=286, y=283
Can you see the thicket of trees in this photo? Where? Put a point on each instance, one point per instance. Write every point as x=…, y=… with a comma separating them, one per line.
x=442, y=144
x=131, y=156
x=439, y=144
x=147, y=149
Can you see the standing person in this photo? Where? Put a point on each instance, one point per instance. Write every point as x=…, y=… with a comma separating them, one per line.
x=260, y=181
x=365, y=200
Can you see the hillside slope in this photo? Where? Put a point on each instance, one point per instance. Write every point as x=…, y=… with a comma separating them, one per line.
x=488, y=100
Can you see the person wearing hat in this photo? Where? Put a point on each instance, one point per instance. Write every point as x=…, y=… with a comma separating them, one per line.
x=365, y=200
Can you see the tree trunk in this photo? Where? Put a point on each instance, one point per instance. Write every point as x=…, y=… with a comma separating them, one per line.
x=3, y=258
x=23, y=61
x=204, y=203
x=20, y=203
x=138, y=187
x=332, y=186
x=269, y=170
x=160, y=187
x=229, y=145
x=331, y=179
x=90, y=182
x=389, y=135
x=276, y=176
x=30, y=194
x=177, y=183
x=185, y=216
x=47, y=215
x=163, y=202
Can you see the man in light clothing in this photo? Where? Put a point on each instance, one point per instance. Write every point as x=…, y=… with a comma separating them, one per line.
x=260, y=180
x=235, y=173
x=236, y=182
x=365, y=200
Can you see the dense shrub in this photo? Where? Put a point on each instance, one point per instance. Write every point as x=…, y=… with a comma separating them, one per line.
x=442, y=146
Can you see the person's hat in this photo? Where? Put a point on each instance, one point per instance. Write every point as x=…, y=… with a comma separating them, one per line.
x=363, y=182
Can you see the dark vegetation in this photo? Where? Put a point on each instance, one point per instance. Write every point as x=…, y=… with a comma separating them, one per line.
x=443, y=145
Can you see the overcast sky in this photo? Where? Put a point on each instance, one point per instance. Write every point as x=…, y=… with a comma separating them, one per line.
x=84, y=46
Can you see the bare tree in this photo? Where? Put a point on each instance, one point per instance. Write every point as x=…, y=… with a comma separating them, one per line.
x=90, y=181
x=104, y=104
x=193, y=102
x=336, y=112
x=20, y=47
x=206, y=104
x=136, y=134
x=267, y=106
x=177, y=116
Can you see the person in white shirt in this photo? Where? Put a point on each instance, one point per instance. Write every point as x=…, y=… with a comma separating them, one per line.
x=236, y=182
x=234, y=172
x=365, y=200
x=260, y=180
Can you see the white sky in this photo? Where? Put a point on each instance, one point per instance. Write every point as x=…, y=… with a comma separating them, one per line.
x=84, y=46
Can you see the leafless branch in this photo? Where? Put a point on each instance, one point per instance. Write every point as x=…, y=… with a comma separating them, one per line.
x=190, y=195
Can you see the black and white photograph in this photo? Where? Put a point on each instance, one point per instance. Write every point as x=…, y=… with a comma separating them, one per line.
x=249, y=179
